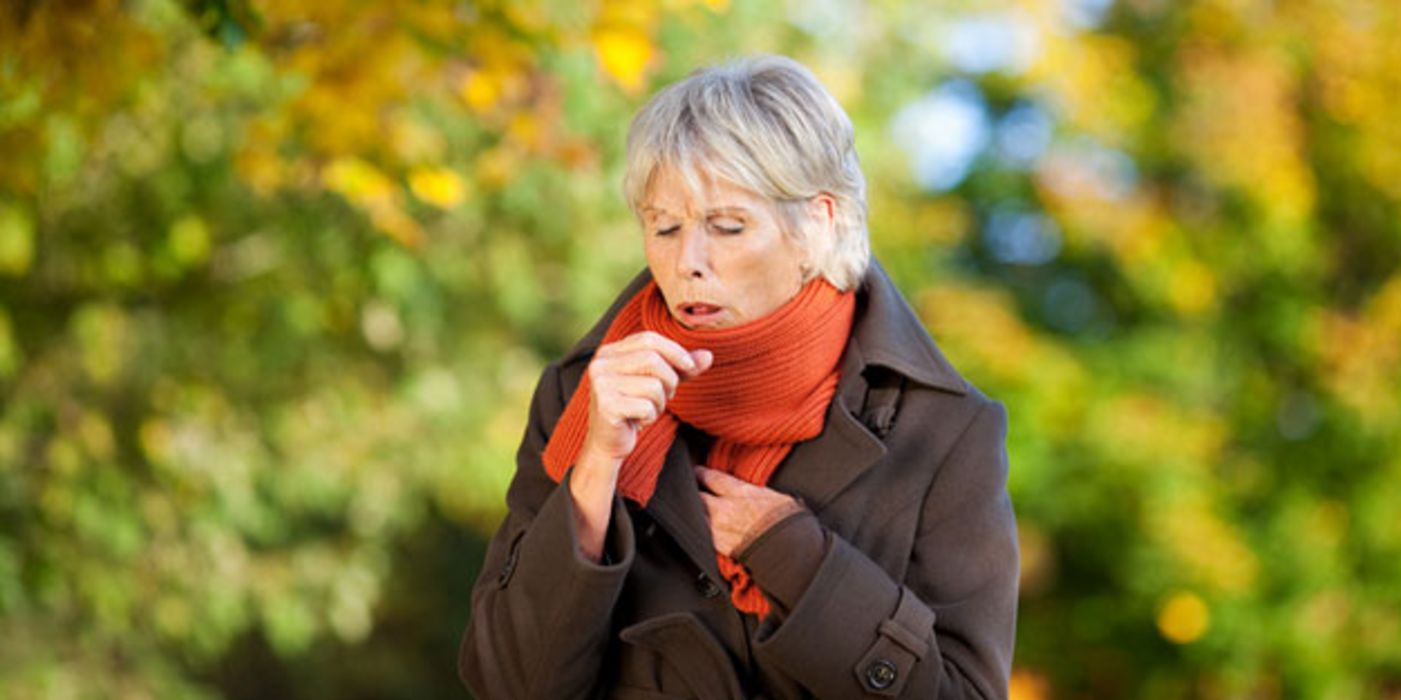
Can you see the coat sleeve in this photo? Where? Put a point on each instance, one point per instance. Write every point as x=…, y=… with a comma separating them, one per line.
x=946, y=630
x=541, y=610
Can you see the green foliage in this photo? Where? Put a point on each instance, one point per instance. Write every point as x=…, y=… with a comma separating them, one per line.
x=276, y=280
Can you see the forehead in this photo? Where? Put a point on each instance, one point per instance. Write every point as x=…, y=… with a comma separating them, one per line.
x=671, y=191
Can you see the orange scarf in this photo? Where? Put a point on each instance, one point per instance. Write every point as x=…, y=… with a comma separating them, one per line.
x=768, y=388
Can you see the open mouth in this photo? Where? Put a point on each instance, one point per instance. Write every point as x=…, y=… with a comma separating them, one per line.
x=699, y=313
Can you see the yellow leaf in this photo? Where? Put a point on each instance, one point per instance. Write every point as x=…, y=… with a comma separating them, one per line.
x=415, y=142
x=624, y=55
x=440, y=187
x=1027, y=685
x=1184, y=618
x=1192, y=289
x=481, y=91
x=365, y=186
x=501, y=81
x=189, y=240
x=393, y=222
x=103, y=333
x=16, y=240
x=358, y=181
x=525, y=130
x=157, y=440
x=261, y=169
x=496, y=166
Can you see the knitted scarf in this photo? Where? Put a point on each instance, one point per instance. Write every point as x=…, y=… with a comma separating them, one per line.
x=769, y=387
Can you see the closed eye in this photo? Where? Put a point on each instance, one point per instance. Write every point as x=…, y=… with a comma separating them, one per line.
x=730, y=229
x=668, y=230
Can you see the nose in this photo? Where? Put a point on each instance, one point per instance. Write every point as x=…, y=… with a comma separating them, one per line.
x=694, y=258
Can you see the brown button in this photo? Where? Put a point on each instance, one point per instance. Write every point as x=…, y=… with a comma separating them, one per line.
x=881, y=675
x=708, y=587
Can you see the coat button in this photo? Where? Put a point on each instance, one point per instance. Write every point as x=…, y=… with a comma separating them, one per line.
x=707, y=587
x=881, y=675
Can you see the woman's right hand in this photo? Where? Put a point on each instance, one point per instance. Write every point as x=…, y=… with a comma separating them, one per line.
x=632, y=380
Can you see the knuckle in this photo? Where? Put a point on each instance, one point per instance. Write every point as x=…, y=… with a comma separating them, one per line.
x=670, y=376
x=658, y=341
x=599, y=366
x=659, y=365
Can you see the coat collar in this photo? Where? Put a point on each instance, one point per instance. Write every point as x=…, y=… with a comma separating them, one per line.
x=887, y=333
x=890, y=335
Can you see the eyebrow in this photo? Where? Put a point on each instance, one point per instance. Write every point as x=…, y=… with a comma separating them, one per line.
x=648, y=209
x=727, y=210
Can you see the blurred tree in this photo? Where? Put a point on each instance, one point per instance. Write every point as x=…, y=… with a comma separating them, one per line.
x=277, y=278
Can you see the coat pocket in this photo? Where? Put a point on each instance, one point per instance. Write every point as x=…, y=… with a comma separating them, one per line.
x=689, y=656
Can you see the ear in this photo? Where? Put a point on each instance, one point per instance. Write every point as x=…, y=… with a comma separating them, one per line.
x=822, y=208
x=822, y=226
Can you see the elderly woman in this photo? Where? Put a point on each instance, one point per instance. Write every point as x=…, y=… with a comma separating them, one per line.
x=756, y=476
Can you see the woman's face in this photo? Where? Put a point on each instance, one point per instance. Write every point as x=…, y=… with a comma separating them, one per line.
x=719, y=255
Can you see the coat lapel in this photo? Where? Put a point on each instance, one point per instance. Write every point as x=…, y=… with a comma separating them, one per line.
x=819, y=469
x=676, y=505
x=816, y=470
x=887, y=333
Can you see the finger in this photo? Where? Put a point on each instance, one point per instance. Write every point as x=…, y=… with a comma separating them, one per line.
x=710, y=502
x=633, y=386
x=648, y=363
x=704, y=360
x=719, y=482
x=605, y=371
x=689, y=363
x=669, y=349
x=686, y=361
x=626, y=409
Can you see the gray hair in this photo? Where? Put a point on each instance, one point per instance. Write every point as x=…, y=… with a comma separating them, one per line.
x=765, y=124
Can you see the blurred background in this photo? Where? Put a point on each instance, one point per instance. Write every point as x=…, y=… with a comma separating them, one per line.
x=277, y=279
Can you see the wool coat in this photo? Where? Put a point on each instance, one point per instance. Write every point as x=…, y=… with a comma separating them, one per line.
x=910, y=593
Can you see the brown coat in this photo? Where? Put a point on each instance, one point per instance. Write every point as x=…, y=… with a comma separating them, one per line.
x=914, y=596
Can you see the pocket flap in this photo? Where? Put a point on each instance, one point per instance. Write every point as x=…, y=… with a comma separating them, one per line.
x=692, y=650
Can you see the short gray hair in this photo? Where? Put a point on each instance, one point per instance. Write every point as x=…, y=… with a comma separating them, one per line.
x=766, y=124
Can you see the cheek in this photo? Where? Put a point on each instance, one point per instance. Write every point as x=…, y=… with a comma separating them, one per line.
x=773, y=275
x=656, y=257
x=782, y=261
x=662, y=266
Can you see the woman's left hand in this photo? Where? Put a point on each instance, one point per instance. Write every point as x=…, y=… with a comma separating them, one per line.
x=739, y=511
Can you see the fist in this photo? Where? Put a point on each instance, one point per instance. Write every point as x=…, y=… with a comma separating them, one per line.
x=632, y=380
